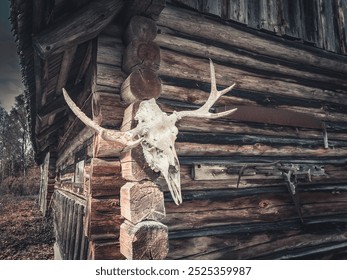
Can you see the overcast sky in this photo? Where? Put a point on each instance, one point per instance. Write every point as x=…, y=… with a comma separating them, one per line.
x=10, y=76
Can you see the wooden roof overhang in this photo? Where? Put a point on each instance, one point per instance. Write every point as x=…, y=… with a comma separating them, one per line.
x=54, y=46
x=54, y=40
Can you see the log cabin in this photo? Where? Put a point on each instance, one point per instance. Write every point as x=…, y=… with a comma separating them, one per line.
x=266, y=182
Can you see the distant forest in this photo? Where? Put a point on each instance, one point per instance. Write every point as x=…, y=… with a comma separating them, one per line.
x=17, y=166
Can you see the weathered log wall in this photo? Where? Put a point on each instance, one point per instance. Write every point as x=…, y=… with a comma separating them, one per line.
x=322, y=23
x=269, y=73
x=274, y=76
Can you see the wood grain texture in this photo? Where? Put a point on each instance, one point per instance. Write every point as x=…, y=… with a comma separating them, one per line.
x=142, y=201
x=146, y=240
x=82, y=26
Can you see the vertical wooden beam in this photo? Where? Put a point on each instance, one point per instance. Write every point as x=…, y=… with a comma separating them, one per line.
x=85, y=63
x=142, y=203
x=65, y=67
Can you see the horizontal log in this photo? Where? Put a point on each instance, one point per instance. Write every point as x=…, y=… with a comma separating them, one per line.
x=106, y=186
x=104, y=218
x=101, y=250
x=106, y=149
x=81, y=140
x=258, y=208
x=146, y=240
x=189, y=96
x=102, y=167
x=106, y=179
x=135, y=167
x=141, y=55
x=141, y=85
x=287, y=244
x=108, y=109
x=253, y=63
x=109, y=50
x=109, y=76
x=140, y=28
x=192, y=149
x=185, y=67
x=142, y=201
x=79, y=27
x=237, y=139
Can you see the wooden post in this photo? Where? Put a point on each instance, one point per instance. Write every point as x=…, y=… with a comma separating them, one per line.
x=142, y=236
x=48, y=173
x=141, y=61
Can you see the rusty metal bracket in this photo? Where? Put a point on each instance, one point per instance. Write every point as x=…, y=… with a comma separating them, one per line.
x=291, y=181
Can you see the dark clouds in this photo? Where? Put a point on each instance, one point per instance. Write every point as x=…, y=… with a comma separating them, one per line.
x=10, y=77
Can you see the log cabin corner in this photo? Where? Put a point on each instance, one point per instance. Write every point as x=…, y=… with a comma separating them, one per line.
x=267, y=182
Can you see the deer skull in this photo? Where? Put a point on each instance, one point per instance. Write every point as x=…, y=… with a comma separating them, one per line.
x=156, y=132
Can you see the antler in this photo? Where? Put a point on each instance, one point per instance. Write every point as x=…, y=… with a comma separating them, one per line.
x=125, y=138
x=203, y=112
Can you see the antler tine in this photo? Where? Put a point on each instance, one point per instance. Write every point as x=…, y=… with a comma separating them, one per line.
x=125, y=138
x=203, y=111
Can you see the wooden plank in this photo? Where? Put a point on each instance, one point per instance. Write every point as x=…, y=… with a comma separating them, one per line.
x=79, y=232
x=268, y=15
x=311, y=22
x=253, y=9
x=85, y=63
x=69, y=229
x=73, y=234
x=341, y=18
x=328, y=25
x=292, y=18
x=214, y=7
x=80, y=27
x=238, y=11
x=146, y=240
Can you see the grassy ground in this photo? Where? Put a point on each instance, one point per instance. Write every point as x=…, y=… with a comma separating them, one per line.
x=24, y=233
